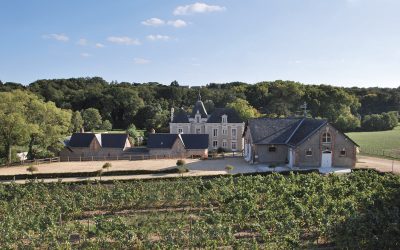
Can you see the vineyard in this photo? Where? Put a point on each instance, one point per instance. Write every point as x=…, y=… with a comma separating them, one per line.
x=358, y=210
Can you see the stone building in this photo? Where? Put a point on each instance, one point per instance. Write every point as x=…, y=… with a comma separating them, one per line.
x=223, y=126
x=178, y=145
x=298, y=142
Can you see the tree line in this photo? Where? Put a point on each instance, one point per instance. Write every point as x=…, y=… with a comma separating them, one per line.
x=93, y=103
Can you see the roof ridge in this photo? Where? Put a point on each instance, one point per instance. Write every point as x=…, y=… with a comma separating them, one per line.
x=275, y=132
x=295, y=130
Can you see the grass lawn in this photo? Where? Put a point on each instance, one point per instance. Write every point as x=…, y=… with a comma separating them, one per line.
x=381, y=143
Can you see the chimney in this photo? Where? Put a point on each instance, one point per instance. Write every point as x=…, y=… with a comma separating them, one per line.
x=82, y=130
x=152, y=131
x=172, y=114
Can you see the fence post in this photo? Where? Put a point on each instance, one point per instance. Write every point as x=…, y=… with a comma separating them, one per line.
x=130, y=157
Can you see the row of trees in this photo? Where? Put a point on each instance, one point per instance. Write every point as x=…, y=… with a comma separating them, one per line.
x=384, y=121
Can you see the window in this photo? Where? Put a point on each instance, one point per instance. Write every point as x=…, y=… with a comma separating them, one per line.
x=224, y=131
x=198, y=131
x=326, y=138
x=180, y=131
x=215, y=144
x=224, y=144
x=272, y=149
x=224, y=119
x=197, y=119
x=215, y=132
x=309, y=152
x=234, y=133
x=233, y=145
x=343, y=152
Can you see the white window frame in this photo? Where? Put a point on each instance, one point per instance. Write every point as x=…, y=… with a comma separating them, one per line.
x=234, y=135
x=215, y=144
x=198, y=130
x=309, y=150
x=325, y=137
x=224, y=131
x=215, y=132
x=180, y=130
x=224, y=144
x=234, y=148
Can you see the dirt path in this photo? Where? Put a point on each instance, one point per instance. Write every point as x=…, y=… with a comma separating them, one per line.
x=383, y=165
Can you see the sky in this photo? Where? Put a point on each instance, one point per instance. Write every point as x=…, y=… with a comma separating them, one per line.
x=338, y=42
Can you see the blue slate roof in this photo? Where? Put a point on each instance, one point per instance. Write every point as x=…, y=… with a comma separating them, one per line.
x=83, y=140
x=113, y=140
x=190, y=141
x=288, y=131
x=232, y=116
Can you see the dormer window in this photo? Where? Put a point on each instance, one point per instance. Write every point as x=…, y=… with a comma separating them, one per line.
x=224, y=119
x=197, y=119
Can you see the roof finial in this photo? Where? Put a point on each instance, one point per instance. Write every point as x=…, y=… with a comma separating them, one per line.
x=199, y=96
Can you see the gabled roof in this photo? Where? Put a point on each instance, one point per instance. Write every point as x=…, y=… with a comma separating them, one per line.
x=306, y=129
x=161, y=140
x=199, y=106
x=190, y=141
x=195, y=141
x=81, y=140
x=113, y=140
x=180, y=116
x=272, y=130
x=288, y=131
x=216, y=116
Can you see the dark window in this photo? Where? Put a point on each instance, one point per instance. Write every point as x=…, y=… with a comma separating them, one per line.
x=326, y=138
x=272, y=149
x=309, y=152
x=343, y=152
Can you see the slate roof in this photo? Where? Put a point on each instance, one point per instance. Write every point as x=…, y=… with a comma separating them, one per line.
x=81, y=140
x=195, y=141
x=199, y=106
x=190, y=141
x=180, y=117
x=290, y=131
x=113, y=140
x=161, y=140
x=216, y=116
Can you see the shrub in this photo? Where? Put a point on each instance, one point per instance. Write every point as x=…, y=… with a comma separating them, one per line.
x=220, y=150
x=229, y=168
x=182, y=169
x=376, y=122
x=32, y=169
x=107, y=165
x=180, y=162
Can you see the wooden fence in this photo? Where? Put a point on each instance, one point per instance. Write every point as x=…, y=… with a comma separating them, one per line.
x=131, y=157
x=394, y=154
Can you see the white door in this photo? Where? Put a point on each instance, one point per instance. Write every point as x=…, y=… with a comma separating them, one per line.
x=326, y=159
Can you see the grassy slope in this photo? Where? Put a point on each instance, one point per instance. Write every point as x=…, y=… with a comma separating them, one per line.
x=376, y=142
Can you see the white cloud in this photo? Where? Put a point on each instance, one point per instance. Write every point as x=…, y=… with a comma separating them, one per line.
x=197, y=8
x=158, y=37
x=123, y=40
x=58, y=37
x=177, y=23
x=85, y=55
x=99, y=45
x=153, y=22
x=141, y=61
x=82, y=42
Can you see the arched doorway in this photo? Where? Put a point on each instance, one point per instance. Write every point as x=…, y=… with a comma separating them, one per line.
x=326, y=159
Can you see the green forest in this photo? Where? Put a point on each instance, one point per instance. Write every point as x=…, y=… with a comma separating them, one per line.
x=95, y=104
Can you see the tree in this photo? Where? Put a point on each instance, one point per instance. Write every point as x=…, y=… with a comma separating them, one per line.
x=174, y=84
x=76, y=122
x=347, y=122
x=107, y=165
x=91, y=119
x=106, y=125
x=134, y=134
x=244, y=109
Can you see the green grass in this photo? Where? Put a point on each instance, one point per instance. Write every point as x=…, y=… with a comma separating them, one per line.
x=381, y=143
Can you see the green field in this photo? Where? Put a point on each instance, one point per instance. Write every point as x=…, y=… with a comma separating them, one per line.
x=381, y=143
x=297, y=211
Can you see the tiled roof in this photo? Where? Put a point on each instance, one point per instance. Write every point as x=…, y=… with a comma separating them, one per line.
x=195, y=141
x=113, y=140
x=199, y=106
x=216, y=116
x=81, y=140
x=180, y=116
x=161, y=140
x=291, y=131
x=190, y=141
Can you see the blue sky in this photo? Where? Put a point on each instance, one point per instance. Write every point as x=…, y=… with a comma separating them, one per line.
x=338, y=42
